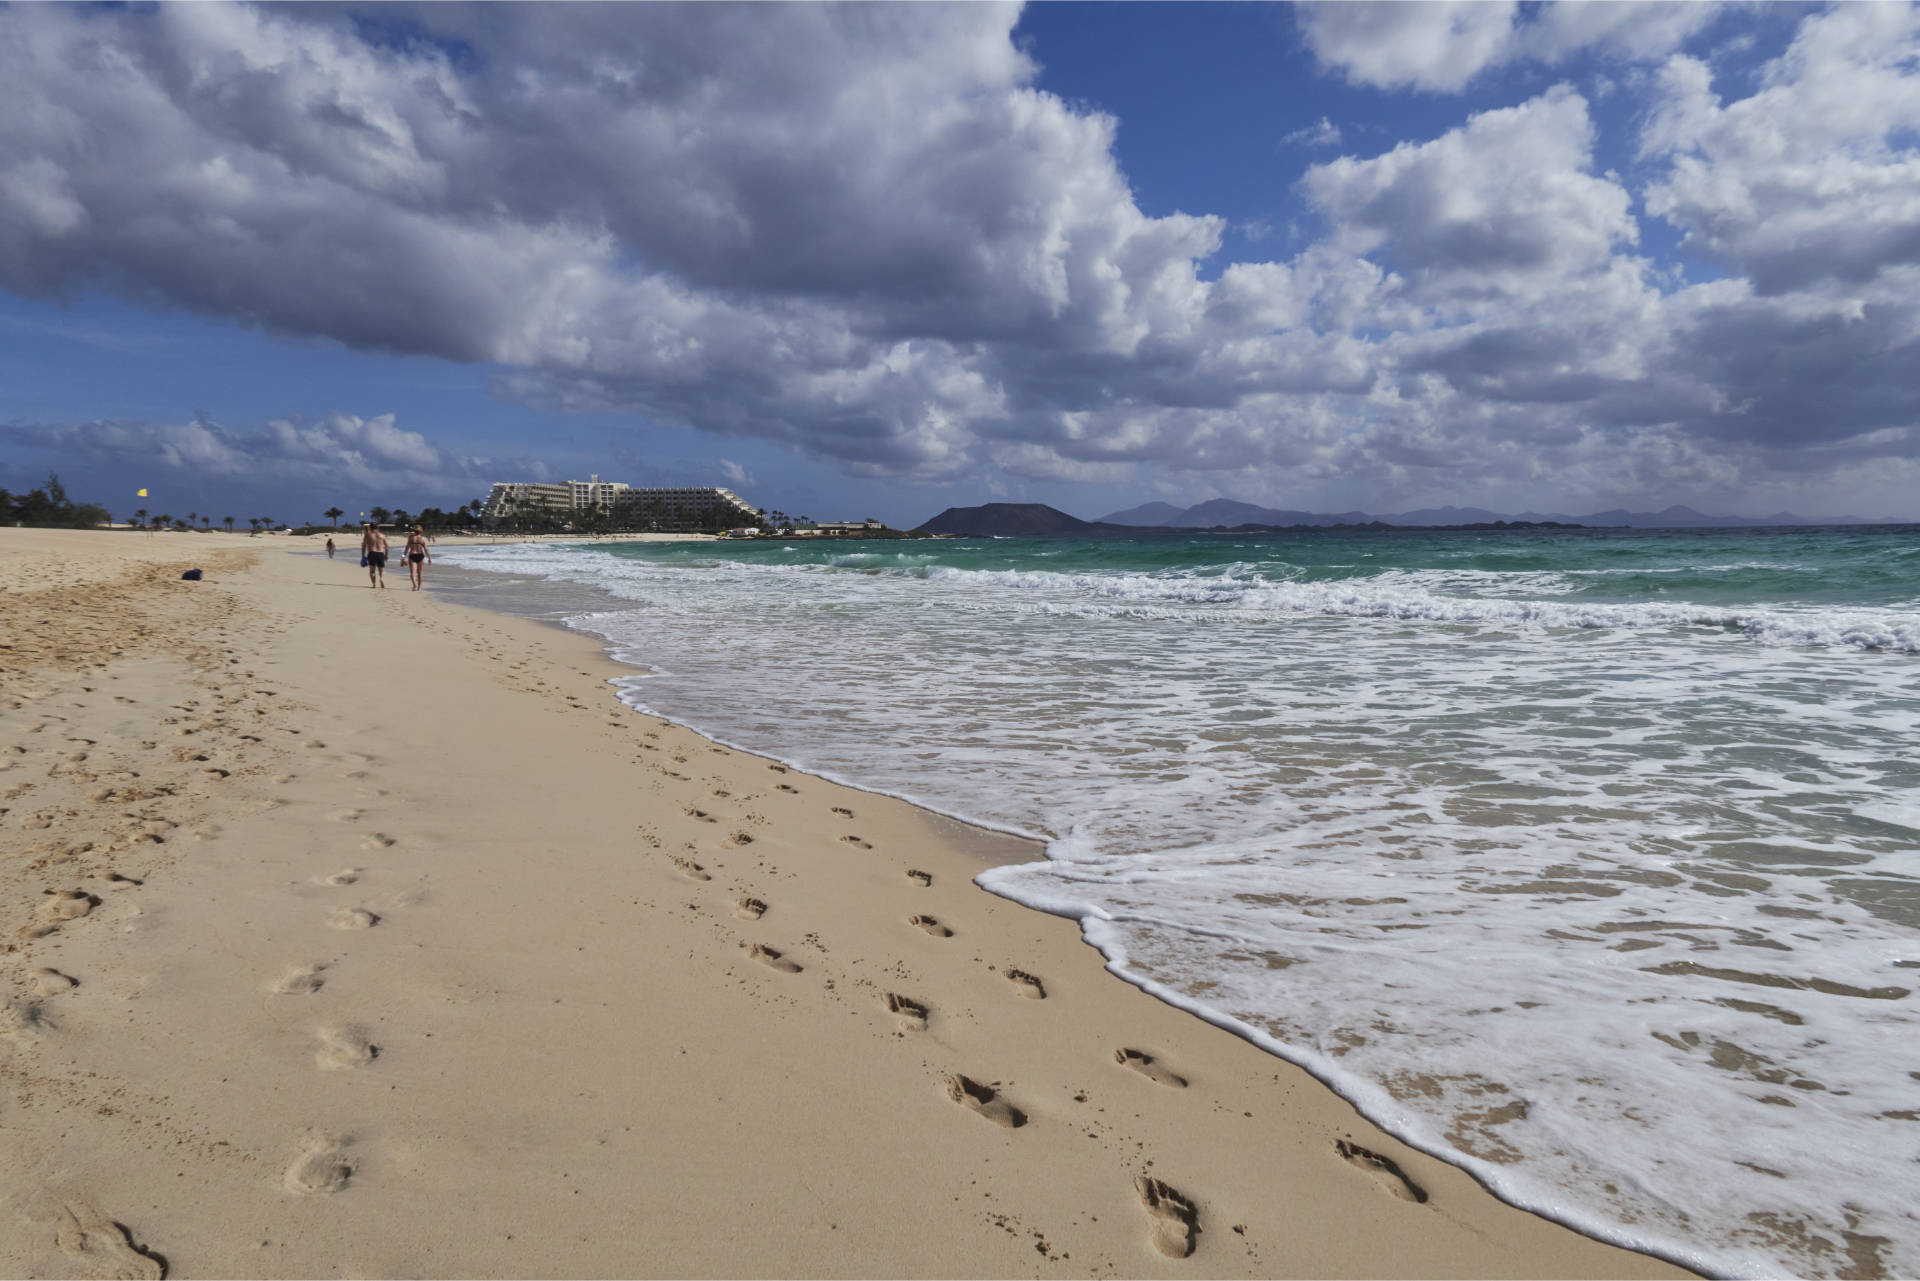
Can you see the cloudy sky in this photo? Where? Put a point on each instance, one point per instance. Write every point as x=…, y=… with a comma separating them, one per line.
x=879, y=259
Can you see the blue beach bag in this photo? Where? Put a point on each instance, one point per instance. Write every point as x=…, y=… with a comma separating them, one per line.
x=192, y=576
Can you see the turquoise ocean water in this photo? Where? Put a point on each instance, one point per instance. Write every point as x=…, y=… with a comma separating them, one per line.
x=1587, y=860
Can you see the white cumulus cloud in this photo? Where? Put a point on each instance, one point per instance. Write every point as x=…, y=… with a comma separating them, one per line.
x=865, y=233
x=1442, y=45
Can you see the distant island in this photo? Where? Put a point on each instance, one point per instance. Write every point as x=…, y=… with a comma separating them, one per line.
x=991, y=520
x=1225, y=511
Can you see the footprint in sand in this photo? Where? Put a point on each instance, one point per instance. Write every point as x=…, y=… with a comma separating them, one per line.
x=778, y=769
x=699, y=815
x=915, y=874
x=22, y=1018
x=351, y=918
x=784, y=788
x=931, y=926
x=51, y=982
x=345, y=876
x=322, y=1166
x=1387, y=1174
x=912, y=1014
x=376, y=840
x=843, y=811
x=1148, y=1066
x=771, y=959
x=300, y=980
x=66, y=905
x=62, y=906
x=344, y=1047
x=1027, y=985
x=1175, y=1220
x=691, y=870
x=857, y=843
x=97, y=1245
x=985, y=1100
x=749, y=909
x=740, y=838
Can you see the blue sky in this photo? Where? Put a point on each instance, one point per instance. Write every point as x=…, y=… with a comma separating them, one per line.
x=880, y=260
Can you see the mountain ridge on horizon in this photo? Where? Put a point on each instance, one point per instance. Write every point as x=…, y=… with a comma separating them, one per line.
x=1226, y=511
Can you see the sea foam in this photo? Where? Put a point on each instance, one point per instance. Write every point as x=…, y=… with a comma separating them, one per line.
x=1609, y=898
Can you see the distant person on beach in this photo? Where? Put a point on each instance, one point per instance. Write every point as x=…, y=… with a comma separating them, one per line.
x=373, y=546
x=417, y=556
x=329, y=547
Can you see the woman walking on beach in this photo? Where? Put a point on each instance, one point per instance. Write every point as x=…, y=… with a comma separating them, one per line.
x=417, y=556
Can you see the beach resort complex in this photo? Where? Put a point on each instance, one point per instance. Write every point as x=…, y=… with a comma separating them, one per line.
x=612, y=504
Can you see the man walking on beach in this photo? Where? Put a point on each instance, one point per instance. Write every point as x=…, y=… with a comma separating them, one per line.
x=417, y=556
x=373, y=546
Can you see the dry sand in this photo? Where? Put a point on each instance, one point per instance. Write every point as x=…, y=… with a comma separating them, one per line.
x=359, y=933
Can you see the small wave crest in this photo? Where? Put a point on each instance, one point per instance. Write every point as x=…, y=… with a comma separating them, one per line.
x=1228, y=599
x=1243, y=592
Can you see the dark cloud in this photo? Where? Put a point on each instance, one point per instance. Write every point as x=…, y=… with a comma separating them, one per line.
x=1821, y=377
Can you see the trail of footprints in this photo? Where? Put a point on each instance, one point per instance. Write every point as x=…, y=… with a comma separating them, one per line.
x=325, y=1163
x=1173, y=1218
x=131, y=803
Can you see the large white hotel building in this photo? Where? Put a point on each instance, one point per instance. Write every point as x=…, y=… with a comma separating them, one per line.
x=621, y=505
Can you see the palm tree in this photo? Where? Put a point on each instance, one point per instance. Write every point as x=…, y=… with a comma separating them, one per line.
x=229, y=521
x=206, y=522
x=140, y=516
x=333, y=514
x=191, y=517
x=255, y=522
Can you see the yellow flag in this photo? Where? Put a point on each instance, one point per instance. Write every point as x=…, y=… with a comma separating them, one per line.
x=140, y=493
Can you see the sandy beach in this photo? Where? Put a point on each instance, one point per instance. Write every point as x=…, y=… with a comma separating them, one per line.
x=360, y=933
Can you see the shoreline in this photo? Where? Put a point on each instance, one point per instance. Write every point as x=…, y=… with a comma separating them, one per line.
x=519, y=1038
x=566, y=598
